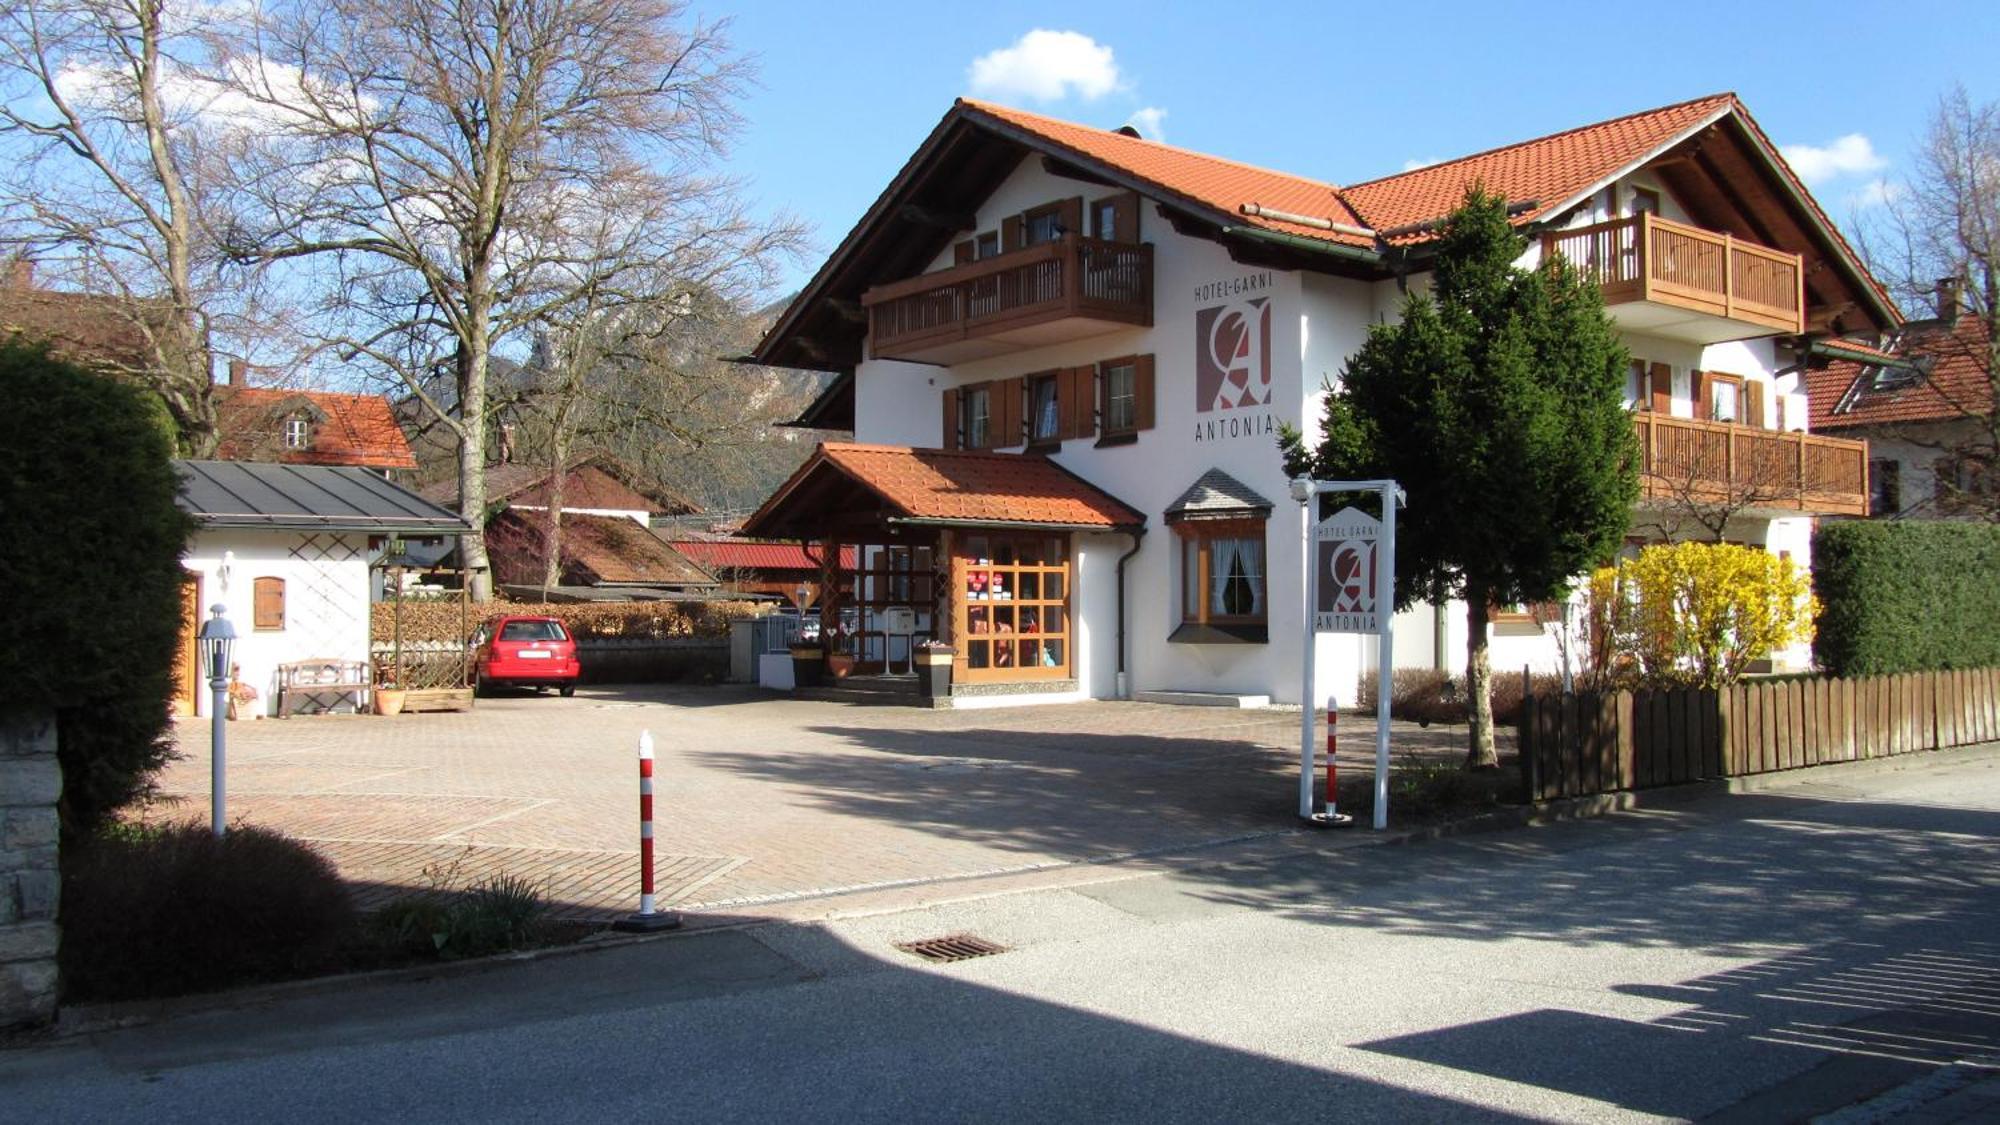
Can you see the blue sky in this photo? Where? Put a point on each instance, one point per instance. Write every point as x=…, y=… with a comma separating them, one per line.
x=1328, y=90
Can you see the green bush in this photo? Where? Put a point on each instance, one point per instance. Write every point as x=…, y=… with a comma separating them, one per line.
x=90, y=547
x=1906, y=596
x=503, y=913
x=160, y=911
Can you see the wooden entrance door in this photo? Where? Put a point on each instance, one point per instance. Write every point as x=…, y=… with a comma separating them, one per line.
x=187, y=655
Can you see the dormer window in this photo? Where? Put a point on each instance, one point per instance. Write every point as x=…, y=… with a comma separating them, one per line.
x=298, y=433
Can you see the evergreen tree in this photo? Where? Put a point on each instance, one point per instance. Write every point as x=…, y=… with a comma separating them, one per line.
x=1497, y=404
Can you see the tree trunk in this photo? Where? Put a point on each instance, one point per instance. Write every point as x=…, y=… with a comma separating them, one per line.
x=472, y=462
x=558, y=476
x=1480, y=751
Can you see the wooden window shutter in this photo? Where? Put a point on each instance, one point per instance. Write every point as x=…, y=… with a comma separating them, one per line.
x=1663, y=388
x=1072, y=215
x=1753, y=404
x=1701, y=389
x=1013, y=233
x=1005, y=409
x=1076, y=402
x=950, y=439
x=962, y=252
x=1142, y=393
x=268, y=603
x=1125, y=216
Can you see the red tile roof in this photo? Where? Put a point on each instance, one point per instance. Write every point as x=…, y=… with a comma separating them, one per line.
x=1957, y=386
x=594, y=481
x=596, y=551
x=748, y=555
x=955, y=487
x=1224, y=185
x=1551, y=170
x=347, y=429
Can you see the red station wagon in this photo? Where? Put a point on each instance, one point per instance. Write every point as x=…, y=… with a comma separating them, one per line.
x=522, y=651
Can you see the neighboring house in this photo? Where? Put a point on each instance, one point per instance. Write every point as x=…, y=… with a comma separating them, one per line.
x=746, y=566
x=1128, y=325
x=87, y=328
x=287, y=549
x=1925, y=403
x=307, y=427
x=607, y=551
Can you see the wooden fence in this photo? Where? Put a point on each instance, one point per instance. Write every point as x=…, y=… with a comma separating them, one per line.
x=1584, y=743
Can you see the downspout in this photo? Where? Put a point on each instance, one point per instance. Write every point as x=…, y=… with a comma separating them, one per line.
x=1122, y=684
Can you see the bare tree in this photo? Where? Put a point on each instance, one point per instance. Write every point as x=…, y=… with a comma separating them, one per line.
x=109, y=102
x=434, y=161
x=1699, y=493
x=1936, y=243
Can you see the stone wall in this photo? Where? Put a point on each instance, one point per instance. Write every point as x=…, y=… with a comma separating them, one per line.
x=30, y=782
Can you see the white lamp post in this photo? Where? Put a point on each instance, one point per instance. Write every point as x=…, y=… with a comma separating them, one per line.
x=217, y=637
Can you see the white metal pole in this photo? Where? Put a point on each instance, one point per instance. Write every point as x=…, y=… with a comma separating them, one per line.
x=1308, y=583
x=1385, y=666
x=218, y=799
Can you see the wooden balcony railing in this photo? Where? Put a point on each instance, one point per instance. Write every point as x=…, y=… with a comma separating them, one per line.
x=1742, y=466
x=1646, y=258
x=1073, y=277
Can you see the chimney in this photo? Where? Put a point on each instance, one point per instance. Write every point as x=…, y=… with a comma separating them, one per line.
x=1947, y=299
x=21, y=273
x=239, y=372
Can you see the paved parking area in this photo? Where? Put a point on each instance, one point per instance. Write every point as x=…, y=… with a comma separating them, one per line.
x=762, y=799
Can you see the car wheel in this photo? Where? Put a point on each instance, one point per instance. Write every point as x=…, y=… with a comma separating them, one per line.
x=568, y=690
x=481, y=686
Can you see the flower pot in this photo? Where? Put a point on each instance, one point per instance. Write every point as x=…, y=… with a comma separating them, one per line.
x=808, y=666
x=389, y=701
x=934, y=672
x=839, y=665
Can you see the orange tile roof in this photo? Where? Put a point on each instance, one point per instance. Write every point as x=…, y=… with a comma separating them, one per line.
x=1958, y=385
x=957, y=487
x=1224, y=185
x=750, y=555
x=1550, y=170
x=351, y=430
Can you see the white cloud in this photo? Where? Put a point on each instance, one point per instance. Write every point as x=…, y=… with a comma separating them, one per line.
x=1046, y=66
x=1150, y=122
x=1878, y=192
x=1849, y=155
x=1420, y=162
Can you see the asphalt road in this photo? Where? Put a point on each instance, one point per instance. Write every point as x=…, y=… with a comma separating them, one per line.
x=1769, y=957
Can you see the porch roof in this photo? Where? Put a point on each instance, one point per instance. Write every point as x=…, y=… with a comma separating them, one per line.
x=845, y=487
x=254, y=494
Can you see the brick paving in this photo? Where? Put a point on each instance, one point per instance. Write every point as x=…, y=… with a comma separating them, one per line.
x=762, y=798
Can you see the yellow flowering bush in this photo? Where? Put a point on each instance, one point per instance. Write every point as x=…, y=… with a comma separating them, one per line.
x=1695, y=614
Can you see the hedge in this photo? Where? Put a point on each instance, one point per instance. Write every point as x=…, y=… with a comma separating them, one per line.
x=90, y=546
x=1906, y=596
x=430, y=621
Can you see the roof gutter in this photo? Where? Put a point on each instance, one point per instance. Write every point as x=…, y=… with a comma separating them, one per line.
x=1311, y=245
x=1017, y=525
x=1834, y=350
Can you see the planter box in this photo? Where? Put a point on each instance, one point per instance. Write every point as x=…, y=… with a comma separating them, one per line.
x=934, y=673
x=808, y=667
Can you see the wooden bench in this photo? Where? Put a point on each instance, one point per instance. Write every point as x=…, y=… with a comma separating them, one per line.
x=322, y=685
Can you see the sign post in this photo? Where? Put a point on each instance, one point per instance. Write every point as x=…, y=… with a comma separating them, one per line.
x=1350, y=587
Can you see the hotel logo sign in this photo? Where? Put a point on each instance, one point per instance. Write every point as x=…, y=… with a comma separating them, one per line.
x=1232, y=365
x=1345, y=553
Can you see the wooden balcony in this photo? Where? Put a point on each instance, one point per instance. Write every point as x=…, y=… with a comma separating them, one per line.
x=1774, y=472
x=1064, y=290
x=1668, y=279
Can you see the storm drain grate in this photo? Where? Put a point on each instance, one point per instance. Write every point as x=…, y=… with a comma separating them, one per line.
x=957, y=947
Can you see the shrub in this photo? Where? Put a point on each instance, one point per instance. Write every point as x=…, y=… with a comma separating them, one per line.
x=167, y=910
x=438, y=620
x=1428, y=790
x=1694, y=614
x=90, y=547
x=501, y=913
x=1418, y=695
x=1906, y=596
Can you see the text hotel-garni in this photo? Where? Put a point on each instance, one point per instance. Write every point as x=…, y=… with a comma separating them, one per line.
x=1065, y=353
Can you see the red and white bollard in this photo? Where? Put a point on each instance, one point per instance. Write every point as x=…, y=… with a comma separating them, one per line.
x=648, y=918
x=1332, y=745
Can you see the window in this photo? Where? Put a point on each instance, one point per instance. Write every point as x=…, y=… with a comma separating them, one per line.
x=1885, y=487
x=1013, y=603
x=1044, y=419
x=1645, y=200
x=986, y=245
x=1223, y=577
x=298, y=433
x=975, y=417
x=532, y=630
x=268, y=604
x=1043, y=224
x=1725, y=398
x=1120, y=397
x=1104, y=218
x=1957, y=479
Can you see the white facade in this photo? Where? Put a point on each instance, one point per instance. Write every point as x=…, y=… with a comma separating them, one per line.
x=326, y=598
x=1316, y=322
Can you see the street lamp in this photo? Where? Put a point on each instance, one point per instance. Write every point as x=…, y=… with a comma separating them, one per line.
x=217, y=637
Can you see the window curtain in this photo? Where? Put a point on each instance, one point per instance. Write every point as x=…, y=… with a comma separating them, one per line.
x=1236, y=578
